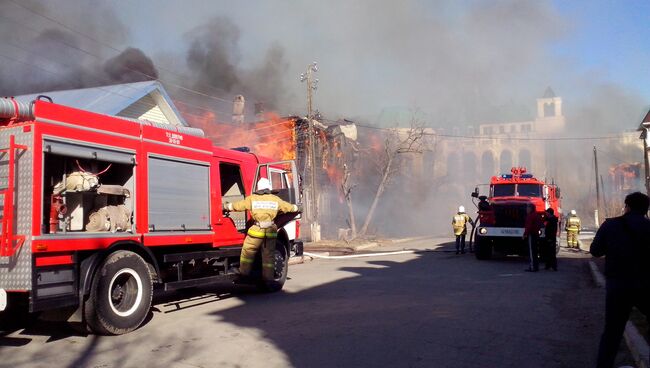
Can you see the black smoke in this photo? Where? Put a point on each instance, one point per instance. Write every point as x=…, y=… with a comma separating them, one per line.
x=132, y=65
x=81, y=51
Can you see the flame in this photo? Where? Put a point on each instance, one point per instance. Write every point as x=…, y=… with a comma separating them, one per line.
x=274, y=137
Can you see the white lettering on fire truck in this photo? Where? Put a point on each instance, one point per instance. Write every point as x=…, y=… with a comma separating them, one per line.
x=174, y=138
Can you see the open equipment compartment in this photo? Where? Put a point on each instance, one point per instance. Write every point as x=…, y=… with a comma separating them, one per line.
x=87, y=188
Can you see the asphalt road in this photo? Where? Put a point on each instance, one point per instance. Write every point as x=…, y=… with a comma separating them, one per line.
x=429, y=309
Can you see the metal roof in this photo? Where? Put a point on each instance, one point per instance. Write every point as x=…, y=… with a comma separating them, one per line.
x=110, y=100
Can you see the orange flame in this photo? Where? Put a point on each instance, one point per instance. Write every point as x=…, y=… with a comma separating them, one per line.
x=274, y=137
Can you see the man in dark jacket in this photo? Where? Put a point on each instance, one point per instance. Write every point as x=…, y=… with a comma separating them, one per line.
x=550, y=234
x=531, y=234
x=625, y=241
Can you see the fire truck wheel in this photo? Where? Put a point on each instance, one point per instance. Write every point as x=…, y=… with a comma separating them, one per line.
x=120, y=295
x=482, y=249
x=281, y=268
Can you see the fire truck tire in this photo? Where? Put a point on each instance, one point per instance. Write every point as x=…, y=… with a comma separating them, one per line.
x=120, y=294
x=482, y=249
x=281, y=269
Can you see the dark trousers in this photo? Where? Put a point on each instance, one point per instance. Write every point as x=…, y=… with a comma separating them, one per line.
x=460, y=243
x=619, y=301
x=550, y=258
x=533, y=252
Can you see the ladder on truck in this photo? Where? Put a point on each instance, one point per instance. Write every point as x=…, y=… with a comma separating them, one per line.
x=10, y=242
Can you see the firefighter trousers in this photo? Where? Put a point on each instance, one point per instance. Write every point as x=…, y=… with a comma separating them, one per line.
x=572, y=238
x=257, y=238
x=460, y=243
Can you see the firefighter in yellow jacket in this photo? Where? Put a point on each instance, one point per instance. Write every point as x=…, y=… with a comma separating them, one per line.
x=459, y=223
x=264, y=207
x=572, y=227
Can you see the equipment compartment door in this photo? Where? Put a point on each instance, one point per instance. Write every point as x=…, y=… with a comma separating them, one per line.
x=179, y=195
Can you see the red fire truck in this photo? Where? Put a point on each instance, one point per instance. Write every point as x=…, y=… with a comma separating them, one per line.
x=502, y=213
x=97, y=209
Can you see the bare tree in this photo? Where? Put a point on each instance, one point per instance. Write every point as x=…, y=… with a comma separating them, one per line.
x=397, y=142
x=346, y=187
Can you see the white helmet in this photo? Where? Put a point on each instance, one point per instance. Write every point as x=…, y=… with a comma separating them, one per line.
x=263, y=184
x=461, y=209
x=573, y=212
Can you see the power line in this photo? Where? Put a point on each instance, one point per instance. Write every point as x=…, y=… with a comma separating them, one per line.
x=103, y=80
x=107, y=45
x=98, y=87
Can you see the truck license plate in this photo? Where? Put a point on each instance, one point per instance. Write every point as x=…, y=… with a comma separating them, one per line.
x=3, y=300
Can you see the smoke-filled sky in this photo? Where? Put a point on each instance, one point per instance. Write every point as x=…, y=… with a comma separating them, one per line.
x=460, y=62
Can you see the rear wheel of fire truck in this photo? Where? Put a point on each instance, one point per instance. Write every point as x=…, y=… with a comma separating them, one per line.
x=120, y=295
x=281, y=260
x=483, y=249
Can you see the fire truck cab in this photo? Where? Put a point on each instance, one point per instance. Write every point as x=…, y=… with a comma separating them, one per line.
x=98, y=209
x=502, y=213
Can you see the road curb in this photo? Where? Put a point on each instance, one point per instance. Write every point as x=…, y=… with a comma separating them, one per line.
x=635, y=342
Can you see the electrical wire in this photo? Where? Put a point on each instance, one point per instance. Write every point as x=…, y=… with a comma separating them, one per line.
x=107, y=45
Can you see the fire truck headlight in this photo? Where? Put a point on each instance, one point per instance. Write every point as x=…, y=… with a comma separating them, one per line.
x=482, y=231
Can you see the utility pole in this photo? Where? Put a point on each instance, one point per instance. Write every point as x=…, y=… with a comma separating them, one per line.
x=312, y=84
x=597, y=188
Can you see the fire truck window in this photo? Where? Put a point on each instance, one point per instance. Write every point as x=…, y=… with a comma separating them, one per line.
x=504, y=190
x=276, y=180
x=231, y=182
x=529, y=190
x=232, y=190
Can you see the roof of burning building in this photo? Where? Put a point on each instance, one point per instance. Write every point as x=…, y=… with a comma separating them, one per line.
x=142, y=100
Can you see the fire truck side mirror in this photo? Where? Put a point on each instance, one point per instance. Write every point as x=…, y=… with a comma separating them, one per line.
x=475, y=193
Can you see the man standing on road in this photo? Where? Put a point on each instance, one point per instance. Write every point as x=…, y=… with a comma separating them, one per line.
x=572, y=227
x=264, y=207
x=531, y=235
x=625, y=243
x=459, y=223
x=550, y=232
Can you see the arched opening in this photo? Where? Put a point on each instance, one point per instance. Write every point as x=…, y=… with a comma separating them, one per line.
x=470, y=167
x=453, y=166
x=524, y=158
x=549, y=109
x=505, y=161
x=487, y=165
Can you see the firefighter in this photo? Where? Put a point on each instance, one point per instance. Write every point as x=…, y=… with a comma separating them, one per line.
x=264, y=207
x=459, y=223
x=572, y=227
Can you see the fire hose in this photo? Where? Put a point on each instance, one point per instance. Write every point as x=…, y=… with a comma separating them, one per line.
x=316, y=255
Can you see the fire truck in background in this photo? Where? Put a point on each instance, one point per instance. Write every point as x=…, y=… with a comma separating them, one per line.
x=98, y=209
x=502, y=213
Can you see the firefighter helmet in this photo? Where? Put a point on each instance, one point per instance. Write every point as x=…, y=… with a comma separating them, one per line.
x=461, y=209
x=573, y=212
x=263, y=184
